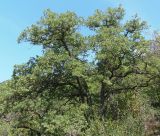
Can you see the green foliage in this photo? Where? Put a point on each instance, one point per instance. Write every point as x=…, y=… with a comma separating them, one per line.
x=67, y=92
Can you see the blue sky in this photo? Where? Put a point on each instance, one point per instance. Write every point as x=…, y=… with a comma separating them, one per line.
x=18, y=14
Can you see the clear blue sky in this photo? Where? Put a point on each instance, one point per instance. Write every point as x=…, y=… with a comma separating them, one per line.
x=15, y=15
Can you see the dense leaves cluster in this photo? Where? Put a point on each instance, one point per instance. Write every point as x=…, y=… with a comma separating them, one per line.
x=105, y=82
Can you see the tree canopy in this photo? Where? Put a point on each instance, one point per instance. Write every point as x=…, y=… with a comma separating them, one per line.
x=103, y=82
